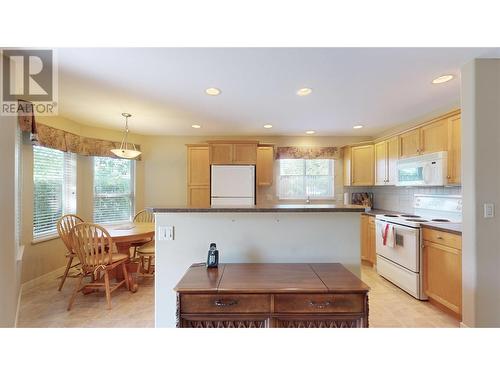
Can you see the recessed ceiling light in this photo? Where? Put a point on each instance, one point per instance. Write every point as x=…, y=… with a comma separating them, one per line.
x=196, y=126
x=357, y=126
x=443, y=79
x=310, y=132
x=213, y=91
x=304, y=91
x=268, y=126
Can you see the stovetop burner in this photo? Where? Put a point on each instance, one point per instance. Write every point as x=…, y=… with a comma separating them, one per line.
x=390, y=215
x=441, y=220
x=418, y=220
x=412, y=216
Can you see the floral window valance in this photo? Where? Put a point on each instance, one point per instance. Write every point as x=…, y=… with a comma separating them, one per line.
x=307, y=153
x=47, y=136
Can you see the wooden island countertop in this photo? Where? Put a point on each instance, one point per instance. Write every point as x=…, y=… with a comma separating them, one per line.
x=258, y=295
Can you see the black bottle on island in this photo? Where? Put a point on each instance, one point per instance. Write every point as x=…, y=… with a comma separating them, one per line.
x=213, y=256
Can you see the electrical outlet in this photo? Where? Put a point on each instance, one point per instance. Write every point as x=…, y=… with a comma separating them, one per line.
x=165, y=233
x=489, y=210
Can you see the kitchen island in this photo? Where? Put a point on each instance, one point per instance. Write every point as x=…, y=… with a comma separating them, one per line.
x=254, y=234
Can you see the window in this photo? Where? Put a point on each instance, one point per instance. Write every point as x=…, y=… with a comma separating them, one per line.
x=303, y=178
x=113, y=190
x=54, y=179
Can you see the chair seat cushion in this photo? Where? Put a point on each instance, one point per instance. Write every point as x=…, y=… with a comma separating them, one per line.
x=146, y=250
x=115, y=257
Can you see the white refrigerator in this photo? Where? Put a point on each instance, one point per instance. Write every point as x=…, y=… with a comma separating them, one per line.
x=232, y=185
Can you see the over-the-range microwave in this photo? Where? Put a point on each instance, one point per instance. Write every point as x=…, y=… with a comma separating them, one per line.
x=423, y=170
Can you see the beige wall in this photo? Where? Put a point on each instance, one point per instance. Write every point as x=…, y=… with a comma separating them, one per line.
x=481, y=184
x=43, y=257
x=9, y=279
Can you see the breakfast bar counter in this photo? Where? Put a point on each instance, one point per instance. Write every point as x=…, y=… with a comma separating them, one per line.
x=261, y=295
x=310, y=234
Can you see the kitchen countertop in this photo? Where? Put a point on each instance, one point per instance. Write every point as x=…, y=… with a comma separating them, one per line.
x=455, y=228
x=265, y=208
x=376, y=211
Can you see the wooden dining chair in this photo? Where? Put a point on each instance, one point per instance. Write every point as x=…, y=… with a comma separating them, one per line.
x=146, y=257
x=64, y=226
x=144, y=216
x=89, y=240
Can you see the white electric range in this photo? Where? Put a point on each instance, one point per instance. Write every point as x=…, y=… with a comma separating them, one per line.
x=402, y=263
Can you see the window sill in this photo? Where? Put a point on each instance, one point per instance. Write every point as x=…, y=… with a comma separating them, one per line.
x=49, y=237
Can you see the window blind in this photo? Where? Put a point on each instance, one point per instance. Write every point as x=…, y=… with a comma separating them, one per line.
x=306, y=178
x=54, y=178
x=113, y=190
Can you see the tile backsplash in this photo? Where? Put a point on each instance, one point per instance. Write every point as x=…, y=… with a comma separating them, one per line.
x=394, y=198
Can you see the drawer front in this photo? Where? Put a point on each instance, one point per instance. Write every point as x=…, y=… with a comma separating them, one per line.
x=318, y=303
x=443, y=238
x=225, y=303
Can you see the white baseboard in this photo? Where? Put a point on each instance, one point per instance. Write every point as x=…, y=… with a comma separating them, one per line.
x=41, y=279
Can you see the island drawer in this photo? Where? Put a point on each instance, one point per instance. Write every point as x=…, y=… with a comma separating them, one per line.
x=225, y=303
x=318, y=303
x=443, y=238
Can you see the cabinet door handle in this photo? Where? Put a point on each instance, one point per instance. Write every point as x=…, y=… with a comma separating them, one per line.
x=440, y=238
x=320, y=305
x=222, y=303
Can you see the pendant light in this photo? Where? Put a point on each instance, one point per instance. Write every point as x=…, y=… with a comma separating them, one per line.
x=124, y=151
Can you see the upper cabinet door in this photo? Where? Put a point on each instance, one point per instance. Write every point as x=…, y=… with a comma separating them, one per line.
x=381, y=163
x=435, y=137
x=245, y=153
x=198, y=166
x=362, y=158
x=347, y=165
x=409, y=143
x=221, y=153
x=265, y=165
x=454, y=150
x=392, y=158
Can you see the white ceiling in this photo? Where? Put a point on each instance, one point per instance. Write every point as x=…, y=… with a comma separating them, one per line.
x=164, y=88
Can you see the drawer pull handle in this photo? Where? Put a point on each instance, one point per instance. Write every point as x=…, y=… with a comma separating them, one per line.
x=440, y=238
x=221, y=303
x=320, y=305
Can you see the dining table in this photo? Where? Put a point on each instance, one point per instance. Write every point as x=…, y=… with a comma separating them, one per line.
x=124, y=236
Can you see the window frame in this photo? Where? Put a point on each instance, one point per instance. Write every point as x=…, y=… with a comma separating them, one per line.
x=301, y=198
x=131, y=195
x=69, y=193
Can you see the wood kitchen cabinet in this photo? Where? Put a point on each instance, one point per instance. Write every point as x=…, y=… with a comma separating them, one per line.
x=232, y=152
x=198, y=176
x=386, y=155
x=265, y=165
x=409, y=144
x=454, y=150
x=362, y=165
x=346, y=162
x=442, y=256
x=434, y=137
x=368, y=253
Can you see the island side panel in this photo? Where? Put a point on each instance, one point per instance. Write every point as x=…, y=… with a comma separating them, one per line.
x=250, y=237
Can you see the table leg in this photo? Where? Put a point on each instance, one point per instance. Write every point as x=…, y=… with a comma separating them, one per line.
x=124, y=248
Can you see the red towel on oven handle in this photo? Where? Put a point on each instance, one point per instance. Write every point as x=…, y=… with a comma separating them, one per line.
x=384, y=234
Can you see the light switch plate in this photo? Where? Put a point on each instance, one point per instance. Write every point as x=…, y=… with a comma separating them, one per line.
x=489, y=210
x=165, y=233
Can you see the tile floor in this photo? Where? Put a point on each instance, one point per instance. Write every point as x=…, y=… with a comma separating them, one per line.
x=44, y=306
x=391, y=307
